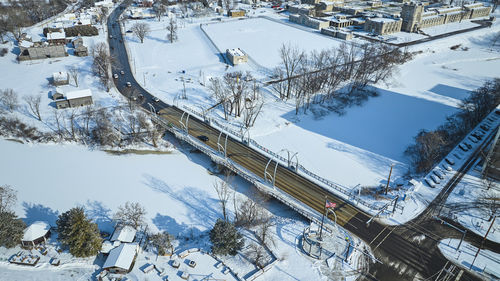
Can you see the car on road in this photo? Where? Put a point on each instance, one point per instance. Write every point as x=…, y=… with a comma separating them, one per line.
x=115, y=76
x=155, y=99
x=110, y=36
x=203, y=138
x=122, y=72
x=129, y=31
x=128, y=84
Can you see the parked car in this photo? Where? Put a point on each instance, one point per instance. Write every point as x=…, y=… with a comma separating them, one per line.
x=203, y=138
x=447, y=167
x=438, y=174
x=155, y=99
x=128, y=84
x=449, y=161
x=435, y=179
x=115, y=76
x=430, y=183
x=122, y=72
x=463, y=147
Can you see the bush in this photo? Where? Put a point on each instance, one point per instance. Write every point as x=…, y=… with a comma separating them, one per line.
x=82, y=30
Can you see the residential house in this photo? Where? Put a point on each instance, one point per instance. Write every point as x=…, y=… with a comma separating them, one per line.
x=36, y=233
x=121, y=258
x=60, y=78
x=74, y=99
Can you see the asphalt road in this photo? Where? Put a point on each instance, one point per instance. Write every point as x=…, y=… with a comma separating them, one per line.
x=393, y=246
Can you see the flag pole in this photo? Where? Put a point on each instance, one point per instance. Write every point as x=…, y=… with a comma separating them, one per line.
x=322, y=220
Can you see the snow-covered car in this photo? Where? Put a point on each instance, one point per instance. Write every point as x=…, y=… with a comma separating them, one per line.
x=438, y=174
x=430, y=183
x=447, y=167
x=449, y=161
x=115, y=76
x=435, y=179
x=463, y=147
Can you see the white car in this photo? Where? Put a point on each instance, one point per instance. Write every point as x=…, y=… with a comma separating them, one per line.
x=155, y=99
x=435, y=179
x=115, y=76
x=128, y=84
x=430, y=183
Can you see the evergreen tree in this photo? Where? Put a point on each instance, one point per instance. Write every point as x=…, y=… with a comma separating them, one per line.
x=79, y=233
x=11, y=229
x=225, y=238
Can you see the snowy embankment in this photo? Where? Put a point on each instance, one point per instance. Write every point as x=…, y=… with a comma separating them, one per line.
x=486, y=263
x=355, y=148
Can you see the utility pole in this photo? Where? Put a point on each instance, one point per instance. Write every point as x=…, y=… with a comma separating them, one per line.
x=323, y=219
x=482, y=242
x=388, y=180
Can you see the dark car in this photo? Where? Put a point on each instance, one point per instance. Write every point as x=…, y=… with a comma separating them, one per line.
x=203, y=138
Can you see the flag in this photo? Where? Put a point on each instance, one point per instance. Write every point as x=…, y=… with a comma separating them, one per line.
x=330, y=204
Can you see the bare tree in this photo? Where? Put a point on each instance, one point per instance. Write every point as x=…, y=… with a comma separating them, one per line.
x=101, y=63
x=72, y=123
x=253, y=105
x=132, y=214
x=59, y=124
x=102, y=14
x=74, y=72
x=291, y=59
x=264, y=228
x=141, y=30
x=220, y=94
x=223, y=192
x=34, y=105
x=172, y=30
x=8, y=197
x=88, y=116
x=159, y=11
x=9, y=99
x=257, y=255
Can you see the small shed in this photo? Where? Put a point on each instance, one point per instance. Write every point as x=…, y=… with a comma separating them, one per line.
x=124, y=234
x=121, y=258
x=36, y=233
x=60, y=78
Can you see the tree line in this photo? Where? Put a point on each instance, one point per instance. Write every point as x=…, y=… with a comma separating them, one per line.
x=337, y=77
x=430, y=146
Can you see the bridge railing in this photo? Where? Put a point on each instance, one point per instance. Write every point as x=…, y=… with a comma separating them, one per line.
x=345, y=192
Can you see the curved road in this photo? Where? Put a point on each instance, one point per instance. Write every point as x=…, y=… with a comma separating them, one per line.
x=393, y=245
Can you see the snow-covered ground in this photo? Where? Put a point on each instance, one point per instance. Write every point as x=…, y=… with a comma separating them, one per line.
x=486, y=263
x=355, y=148
x=176, y=190
x=470, y=188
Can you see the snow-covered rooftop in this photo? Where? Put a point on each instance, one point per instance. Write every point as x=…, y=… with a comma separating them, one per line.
x=121, y=256
x=25, y=44
x=56, y=35
x=36, y=230
x=78, y=94
x=236, y=52
x=60, y=76
x=384, y=19
x=124, y=234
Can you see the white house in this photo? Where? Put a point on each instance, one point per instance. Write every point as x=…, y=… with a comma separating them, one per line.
x=120, y=259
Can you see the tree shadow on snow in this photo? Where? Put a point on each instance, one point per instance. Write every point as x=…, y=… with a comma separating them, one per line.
x=100, y=214
x=200, y=203
x=38, y=212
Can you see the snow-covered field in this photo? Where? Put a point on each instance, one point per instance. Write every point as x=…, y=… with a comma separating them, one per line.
x=261, y=38
x=176, y=190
